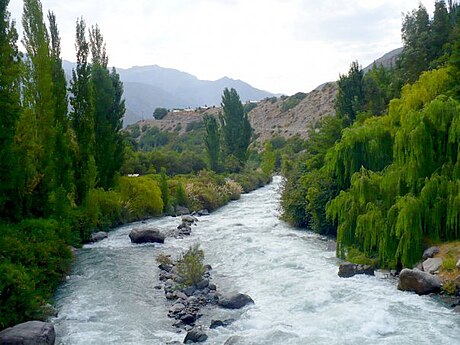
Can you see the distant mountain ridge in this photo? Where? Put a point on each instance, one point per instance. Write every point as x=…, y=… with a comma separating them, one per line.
x=149, y=87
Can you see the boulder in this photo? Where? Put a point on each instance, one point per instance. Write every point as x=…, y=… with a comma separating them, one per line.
x=98, y=236
x=430, y=252
x=220, y=323
x=419, y=282
x=195, y=336
x=188, y=319
x=188, y=219
x=348, y=269
x=235, y=301
x=431, y=265
x=458, y=263
x=203, y=212
x=456, y=309
x=146, y=236
x=29, y=333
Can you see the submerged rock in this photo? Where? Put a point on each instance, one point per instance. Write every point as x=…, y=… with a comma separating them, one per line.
x=430, y=252
x=235, y=301
x=234, y=340
x=29, y=333
x=431, y=265
x=195, y=336
x=98, y=236
x=220, y=323
x=419, y=282
x=348, y=269
x=146, y=236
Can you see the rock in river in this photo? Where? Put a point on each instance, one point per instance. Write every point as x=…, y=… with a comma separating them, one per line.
x=29, y=333
x=347, y=270
x=146, y=236
x=98, y=236
x=235, y=301
x=419, y=282
x=195, y=336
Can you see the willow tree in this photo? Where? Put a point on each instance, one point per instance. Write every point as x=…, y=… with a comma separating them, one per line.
x=386, y=214
x=10, y=60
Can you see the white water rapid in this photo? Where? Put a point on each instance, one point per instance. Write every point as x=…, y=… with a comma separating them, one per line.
x=299, y=299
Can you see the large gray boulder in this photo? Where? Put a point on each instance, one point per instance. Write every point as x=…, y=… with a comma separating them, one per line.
x=431, y=265
x=235, y=301
x=430, y=252
x=146, y=236
x=419, y=282
x=348, y=269
x=29, y=333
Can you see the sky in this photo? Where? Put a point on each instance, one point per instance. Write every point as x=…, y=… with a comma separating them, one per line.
x=282, y=46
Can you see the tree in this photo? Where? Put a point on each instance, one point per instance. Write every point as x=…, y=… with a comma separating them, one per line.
x=212, y=141
x=109, y=110
x=63, y=149
x=350, y=97
x=440, y=32
x=82, y=116
x=10, y=60
x=235, y=126
x=40, y=101
x=160, y=113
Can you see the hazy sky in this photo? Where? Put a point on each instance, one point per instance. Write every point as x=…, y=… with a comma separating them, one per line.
x=282, y=46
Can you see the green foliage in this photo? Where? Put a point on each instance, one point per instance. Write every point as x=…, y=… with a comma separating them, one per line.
x=35, y=258
x=212, y=141
x=350, y=96
x=190, y=266
x=236, y=130
x=164, y=190
x=9, y=112
x=160, y=113
x=140, y=197
x=164, y=259
x=268, y=159
x=103, y=208
x=292, y=101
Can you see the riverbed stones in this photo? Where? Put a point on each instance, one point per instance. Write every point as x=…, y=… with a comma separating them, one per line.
x=146, y=236
x=195, y=336
x=234, y=301
x=189, y=219
x=430, y=252
x=29, y=333
x=348, y=269
x=220, y=323
x=418, y=281
x=431, y=265
x=98, y=236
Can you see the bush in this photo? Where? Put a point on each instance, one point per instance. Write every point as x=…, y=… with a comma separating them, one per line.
x=190, y=266
x=103, y=208
x=160, y=113
x=140, y=197
x=292, y=101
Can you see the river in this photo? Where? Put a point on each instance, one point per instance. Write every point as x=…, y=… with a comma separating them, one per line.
x=110, y=297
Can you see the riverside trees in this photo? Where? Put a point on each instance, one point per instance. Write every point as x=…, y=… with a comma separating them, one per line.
x=231, y=140
x=50, y=165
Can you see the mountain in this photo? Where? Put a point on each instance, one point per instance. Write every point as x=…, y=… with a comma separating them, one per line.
x=149, y=87
x=388, y=60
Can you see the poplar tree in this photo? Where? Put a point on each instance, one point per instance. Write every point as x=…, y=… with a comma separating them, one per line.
x=235, y=126
x=39, y=116
x=82, y=116
x=109, y=110
x=212, y=141
x=350, y=96
x=10, y=60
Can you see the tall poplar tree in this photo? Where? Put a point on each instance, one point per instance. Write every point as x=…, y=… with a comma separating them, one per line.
x=109, y=110
x=40, y=101
x=82, y=116
x=235, y=126
x=10, y=60
x=350, y=96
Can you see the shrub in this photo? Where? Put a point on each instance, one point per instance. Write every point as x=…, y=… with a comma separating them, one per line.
x=190, y=266
x=103, y=208
x=140, y=197
x=160, y=113
x=292, y=101
x=164, y=259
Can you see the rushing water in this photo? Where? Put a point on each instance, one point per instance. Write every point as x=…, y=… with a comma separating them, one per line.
x=299, y=299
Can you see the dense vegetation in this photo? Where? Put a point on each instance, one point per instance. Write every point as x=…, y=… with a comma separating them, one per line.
x=384, y=175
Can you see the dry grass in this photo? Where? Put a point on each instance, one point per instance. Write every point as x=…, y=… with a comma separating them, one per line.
x=450, y=253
